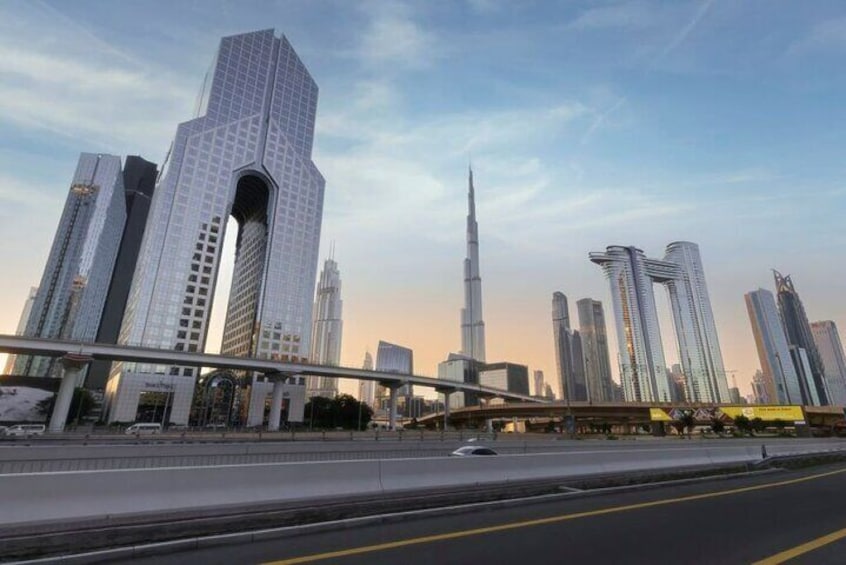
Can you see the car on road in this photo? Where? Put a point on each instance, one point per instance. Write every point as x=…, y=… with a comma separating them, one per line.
x=25, y=430
x=472, y=450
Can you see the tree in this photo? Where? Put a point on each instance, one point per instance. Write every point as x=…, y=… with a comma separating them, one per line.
x=81, y=405
x=742, y=424
x=339, y=412
x=758, y=425
x=686, y=421
x=717, y=426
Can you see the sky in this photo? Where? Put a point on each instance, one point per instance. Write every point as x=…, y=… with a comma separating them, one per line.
x=588, y=124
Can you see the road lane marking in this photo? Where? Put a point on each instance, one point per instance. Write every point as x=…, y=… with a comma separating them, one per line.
x=540, y=521
x=789, y=554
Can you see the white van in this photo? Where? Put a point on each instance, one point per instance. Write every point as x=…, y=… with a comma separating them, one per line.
x=143, y=429
x=25, y=430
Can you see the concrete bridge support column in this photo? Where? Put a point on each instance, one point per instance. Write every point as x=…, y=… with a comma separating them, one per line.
x=446, y=408
x=72, y=366
x=392, y=408
x=274, y=420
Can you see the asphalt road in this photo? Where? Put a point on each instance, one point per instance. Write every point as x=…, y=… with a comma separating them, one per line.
x=724, y=522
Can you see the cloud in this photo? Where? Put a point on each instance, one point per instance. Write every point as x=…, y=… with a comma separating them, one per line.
x=393, y=39
x=829, y=35
x=76, y=86
x=635, y=15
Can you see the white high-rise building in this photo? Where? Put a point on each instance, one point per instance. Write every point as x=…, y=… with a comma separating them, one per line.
x=30, y=299
x=641, y=355
x=246, y=154
x=472, y=325
x=696, y=332
x=328, y=329
x=367, y=389
x=830, y=349
x=642, y=363
x=778, y=374
x=539, y=383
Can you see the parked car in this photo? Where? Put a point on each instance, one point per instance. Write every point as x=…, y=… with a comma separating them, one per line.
x=143, y=429
x=471, y=450
x=25, y=430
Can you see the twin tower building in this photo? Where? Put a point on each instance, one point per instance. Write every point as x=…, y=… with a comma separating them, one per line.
x=246, y=154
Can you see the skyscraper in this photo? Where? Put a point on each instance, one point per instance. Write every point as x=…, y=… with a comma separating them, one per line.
x=539, y=383
x=367, y=389
x=595, y=348
x=245, y=154
x=392, y=358
x=328, y=328
x=778, y=375
x=568, y=351
x=21, y=329
x=70, y=299
x=643, y=371
x=641, y=355
x=830, y=348
x=472, y=325
x=696, y=332
x=139, y=181
x=798, y=332
x=464, y=370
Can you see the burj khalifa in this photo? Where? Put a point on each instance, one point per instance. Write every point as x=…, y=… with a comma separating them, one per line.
x=472, y=326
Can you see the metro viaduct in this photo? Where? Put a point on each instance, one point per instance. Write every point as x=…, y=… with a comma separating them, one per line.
x=615, y=413
x=76, y=356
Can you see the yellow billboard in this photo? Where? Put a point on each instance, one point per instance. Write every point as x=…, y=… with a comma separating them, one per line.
x=765, y=412
x=659, y=415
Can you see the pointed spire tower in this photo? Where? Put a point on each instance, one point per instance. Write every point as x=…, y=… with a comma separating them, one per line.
x=472, y=326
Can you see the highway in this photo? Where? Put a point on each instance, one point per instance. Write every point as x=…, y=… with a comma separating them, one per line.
x=764, y=519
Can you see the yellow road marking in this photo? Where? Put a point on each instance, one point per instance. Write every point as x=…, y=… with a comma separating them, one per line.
x=802, y=549
x=542, y=521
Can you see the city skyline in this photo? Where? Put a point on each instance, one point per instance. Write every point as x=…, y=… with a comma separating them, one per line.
x=534, y=199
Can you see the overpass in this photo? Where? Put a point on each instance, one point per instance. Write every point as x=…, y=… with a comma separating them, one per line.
x=76, y=355
x=617, y=413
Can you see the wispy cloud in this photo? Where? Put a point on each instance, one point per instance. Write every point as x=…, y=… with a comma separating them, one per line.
x=629, y=15
x=394, y=38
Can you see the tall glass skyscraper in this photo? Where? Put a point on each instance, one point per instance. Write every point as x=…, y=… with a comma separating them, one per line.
x=393, y=358
x=830, y=348
x=70, y=299
x=568, y=351
x=641, y=355
x=328, y=328
x=595, y=347
x=246, y=154
x=699, y=347
x=798, y=332
x=779, y=377
x=632, y=276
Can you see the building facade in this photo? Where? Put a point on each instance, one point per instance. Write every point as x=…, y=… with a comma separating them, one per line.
x=139, y=182
x=830, y=348
x=595, y=348
x=779, y=379
x=328, y=329
x=539, y=384
x=505, y=376
x=472, y=324
x=461, y=369
x=696, y=331
x=798, y=332
x=21, y=329
x=367, y=389
x=641, y=354
x=393, y=358
x=245, y=154
x=642, y=362
x=568, y=351
x=72, y=294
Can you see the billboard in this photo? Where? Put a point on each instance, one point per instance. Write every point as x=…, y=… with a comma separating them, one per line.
x=766, y=412
x=21, y=398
